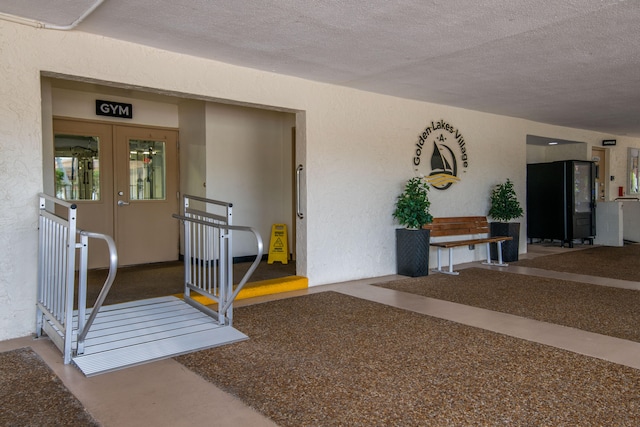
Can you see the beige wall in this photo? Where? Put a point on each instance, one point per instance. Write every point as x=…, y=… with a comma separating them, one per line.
x=193, y=148
x=356, y=148
x=248, y=153
x=576, y=151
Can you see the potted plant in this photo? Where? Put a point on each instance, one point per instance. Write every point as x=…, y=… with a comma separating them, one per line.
x=412, y=242
x=505, y=207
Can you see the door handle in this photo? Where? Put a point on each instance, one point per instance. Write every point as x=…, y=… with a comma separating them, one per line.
x=122, y=203
x=299, y=213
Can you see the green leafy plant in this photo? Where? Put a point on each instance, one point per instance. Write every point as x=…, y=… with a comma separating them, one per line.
x=412, y=206
x=504, y=203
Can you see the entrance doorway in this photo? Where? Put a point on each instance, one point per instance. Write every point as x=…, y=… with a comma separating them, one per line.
x=124, y=180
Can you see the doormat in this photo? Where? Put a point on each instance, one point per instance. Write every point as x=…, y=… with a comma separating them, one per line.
x=32, y=395
x=594, y=308
x=329, y=359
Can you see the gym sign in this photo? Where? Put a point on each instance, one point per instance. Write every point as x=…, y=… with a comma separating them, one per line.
x=114, y=109
x=448, y=152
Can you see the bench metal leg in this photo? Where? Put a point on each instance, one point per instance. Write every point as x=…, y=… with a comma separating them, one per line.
x=440, y=270
x=500, y=255
x=499, y=263
x=451, y=261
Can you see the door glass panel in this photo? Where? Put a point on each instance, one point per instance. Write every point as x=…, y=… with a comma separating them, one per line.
x=146, y=170
x=77, y=167
x=582, y=185
x=634, y=170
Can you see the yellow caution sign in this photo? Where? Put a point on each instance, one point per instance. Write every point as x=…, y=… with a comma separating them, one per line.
x=278, y=249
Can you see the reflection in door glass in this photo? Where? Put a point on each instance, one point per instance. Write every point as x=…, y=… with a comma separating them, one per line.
x=77, y=167
x=582, y=185
x=146, y=170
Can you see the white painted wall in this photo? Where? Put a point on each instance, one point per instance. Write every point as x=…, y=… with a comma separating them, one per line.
x=193, y=148
x=249, y=158
x=578, y=151
x=555, y=153
x=536, y=154
x=356, y=148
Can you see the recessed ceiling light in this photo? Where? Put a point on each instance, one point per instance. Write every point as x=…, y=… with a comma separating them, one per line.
x=553, y=143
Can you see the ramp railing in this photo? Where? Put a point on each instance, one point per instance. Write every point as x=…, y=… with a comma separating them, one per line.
x=85, y=325
x=56, y=272
x=57, y=245
x=208, y=256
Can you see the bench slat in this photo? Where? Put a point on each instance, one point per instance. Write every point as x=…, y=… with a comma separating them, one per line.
x=455, y=226
x=457, y=231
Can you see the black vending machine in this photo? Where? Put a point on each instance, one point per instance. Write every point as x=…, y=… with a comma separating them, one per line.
x=561, y=201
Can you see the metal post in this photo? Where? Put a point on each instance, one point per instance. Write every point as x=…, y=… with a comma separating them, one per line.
x=450, y=260
x=500, y=253
x=70, y=280
x=82, y=288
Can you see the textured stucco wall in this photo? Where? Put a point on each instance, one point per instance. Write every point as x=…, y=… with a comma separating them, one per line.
x=21, y=177
x=356, y=148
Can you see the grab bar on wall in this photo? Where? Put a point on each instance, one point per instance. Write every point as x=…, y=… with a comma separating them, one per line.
x=299, y=170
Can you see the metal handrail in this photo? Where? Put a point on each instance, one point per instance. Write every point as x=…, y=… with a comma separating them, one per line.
x=211, y=201
x=252, y=268
x=220, y=218
x=55, y=200
x=113, y=267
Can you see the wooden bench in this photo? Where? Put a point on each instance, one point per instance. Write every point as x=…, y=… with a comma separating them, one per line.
x=464, y=226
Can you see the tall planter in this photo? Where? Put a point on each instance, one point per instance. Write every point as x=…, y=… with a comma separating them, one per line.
x=510, y=248
x=412, y=251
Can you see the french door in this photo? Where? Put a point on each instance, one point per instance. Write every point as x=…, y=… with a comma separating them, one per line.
x=124, y=180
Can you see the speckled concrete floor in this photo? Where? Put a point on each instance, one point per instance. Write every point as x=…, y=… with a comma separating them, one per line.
x=359, y=363
x=601, y=309
x=166, y=393
x=46, y=403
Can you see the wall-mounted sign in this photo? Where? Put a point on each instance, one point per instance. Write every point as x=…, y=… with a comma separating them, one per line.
x=609, y=142
x=448, y=156
x=114, y=109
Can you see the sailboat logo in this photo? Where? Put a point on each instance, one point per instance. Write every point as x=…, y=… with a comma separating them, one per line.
x=443, y=172
x=449, y=158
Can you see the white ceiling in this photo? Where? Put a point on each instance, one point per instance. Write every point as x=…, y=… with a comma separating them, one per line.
x=572, y=63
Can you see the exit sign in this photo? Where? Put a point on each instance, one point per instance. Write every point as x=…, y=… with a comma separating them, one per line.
x=608, y=142
x=114, y=109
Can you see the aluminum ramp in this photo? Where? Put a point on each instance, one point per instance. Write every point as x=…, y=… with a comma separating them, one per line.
x=107, y=338
x=133, y=333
